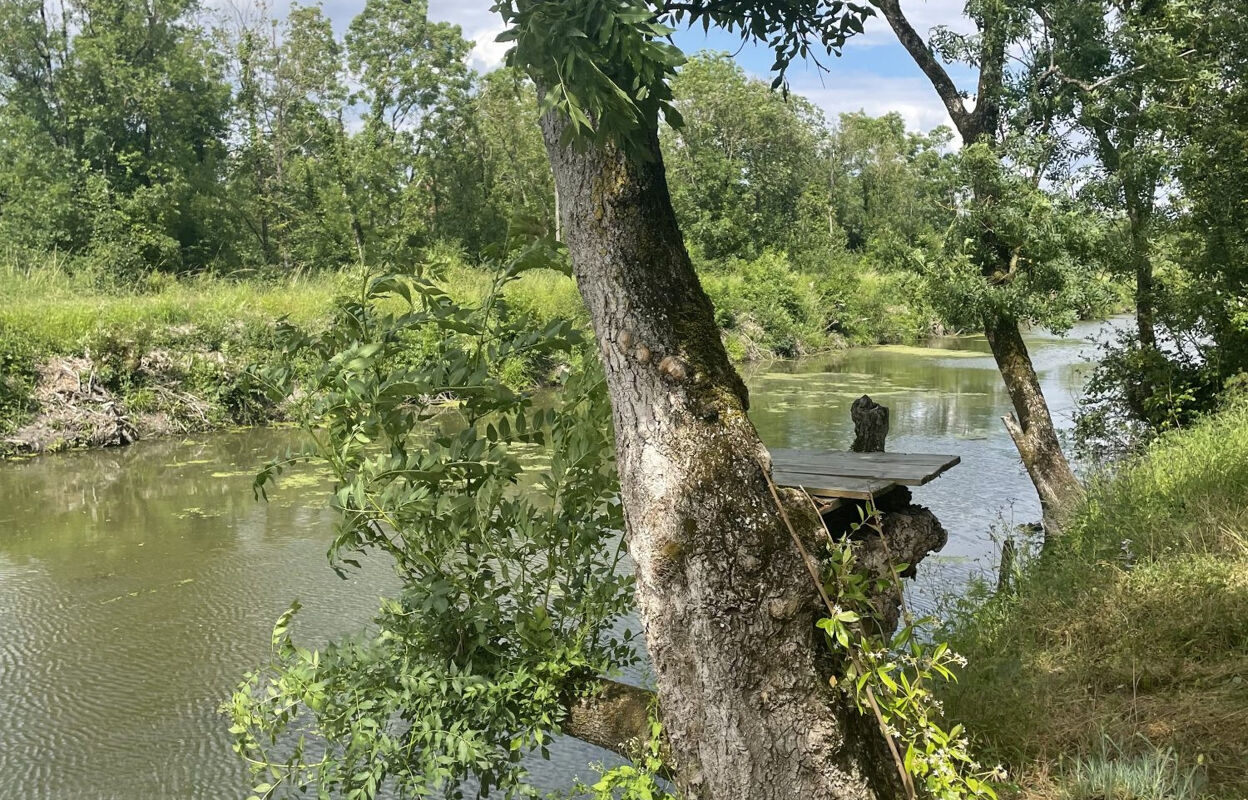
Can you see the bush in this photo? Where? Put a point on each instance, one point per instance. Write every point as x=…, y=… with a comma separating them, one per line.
x=767, y=308
x=1136, y=393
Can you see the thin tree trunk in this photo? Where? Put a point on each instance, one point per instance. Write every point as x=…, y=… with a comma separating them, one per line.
x=1031, y=424
x=1145, y=313
x=726, y=600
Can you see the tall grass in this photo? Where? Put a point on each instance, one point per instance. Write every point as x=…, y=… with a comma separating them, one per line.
x=60, y=312
x=1135, y=626
x=1115, y=773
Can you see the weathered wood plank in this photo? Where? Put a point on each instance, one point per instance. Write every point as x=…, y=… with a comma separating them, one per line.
x=834, y=485
x=910, y=469
x=865, y=458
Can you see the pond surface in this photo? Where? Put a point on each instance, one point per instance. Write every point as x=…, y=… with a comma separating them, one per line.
x=138, y=585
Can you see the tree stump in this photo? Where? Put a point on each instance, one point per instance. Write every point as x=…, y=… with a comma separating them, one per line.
x=870, y=425
x=907, y=533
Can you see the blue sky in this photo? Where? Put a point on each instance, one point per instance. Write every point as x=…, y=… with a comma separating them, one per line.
x=874, y=75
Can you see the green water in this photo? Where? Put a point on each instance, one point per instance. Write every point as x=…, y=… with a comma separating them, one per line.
x=137, y=585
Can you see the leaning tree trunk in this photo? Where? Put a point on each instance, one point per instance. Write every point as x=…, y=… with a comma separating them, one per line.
x=1031, y=424
x=727, y=603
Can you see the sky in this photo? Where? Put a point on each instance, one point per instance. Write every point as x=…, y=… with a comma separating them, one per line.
x=874, y=75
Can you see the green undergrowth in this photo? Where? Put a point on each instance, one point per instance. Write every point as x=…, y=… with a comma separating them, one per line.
x=1132, y=631
x=172, y=353
x=767, y=308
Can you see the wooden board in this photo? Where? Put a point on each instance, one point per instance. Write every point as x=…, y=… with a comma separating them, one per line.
x=908, y=469
x=853, y=488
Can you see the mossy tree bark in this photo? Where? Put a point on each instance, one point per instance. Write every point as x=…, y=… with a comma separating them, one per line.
x=727, y=602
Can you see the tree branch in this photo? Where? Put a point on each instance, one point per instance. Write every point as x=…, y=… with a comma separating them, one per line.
x=614, y=716
x=922, y=55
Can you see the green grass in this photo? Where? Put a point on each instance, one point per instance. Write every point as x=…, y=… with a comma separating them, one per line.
x=60, y=314
x=1115, y=773
x=1135, y=627
x=205, y=331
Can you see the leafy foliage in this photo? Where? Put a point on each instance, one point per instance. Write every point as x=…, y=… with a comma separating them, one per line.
x=747, y=166
x=1039, y=246
x=602, y=64
x=893, y=678
x=639, y=780
x=499, y=511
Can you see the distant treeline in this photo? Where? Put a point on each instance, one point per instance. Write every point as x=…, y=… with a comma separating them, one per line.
x=139, y=137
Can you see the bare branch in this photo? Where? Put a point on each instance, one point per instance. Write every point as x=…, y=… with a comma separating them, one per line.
x=615, y=716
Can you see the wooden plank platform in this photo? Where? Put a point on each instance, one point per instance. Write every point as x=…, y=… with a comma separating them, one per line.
x=850, y=487
x=856, y=476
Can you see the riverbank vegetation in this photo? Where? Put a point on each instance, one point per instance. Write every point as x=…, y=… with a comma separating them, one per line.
x=1126, y=645
x=247, y=153
x=214, y=221
x=90, y=361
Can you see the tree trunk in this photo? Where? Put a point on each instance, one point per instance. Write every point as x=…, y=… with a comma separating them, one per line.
x=726, y=600
x=870, y=425
x=1145, y=316
x=1031, y=424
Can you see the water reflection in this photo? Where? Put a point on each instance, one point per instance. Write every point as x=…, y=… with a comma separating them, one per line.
x=137, y=585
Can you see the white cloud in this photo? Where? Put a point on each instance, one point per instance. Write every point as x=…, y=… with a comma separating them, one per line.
x=480, y=25
x=923, y=16
x=847, y=92
x=468, y=14
x=487, y=54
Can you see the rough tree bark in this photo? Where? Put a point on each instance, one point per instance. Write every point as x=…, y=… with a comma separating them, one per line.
x=726, y=600
x=1031, y=424
x=870, y=425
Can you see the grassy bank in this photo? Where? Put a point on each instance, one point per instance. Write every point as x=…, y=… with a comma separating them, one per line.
x=85, y=365
x=1121, y=660
x=85, y=361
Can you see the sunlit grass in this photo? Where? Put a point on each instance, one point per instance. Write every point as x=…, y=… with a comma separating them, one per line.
x=1135, y=627
x=1116, y=772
